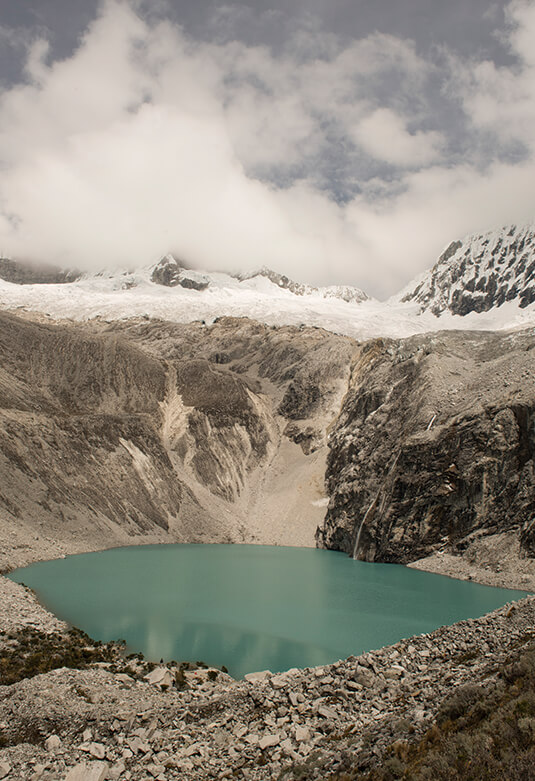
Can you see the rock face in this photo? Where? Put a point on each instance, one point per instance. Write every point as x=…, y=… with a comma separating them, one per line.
x=170, y=273
x=144, y=430
x=149, y=430
x=80, y=452
x=479, y=273
x=434, y=445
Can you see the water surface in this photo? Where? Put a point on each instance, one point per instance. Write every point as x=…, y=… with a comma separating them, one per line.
x=250, y=607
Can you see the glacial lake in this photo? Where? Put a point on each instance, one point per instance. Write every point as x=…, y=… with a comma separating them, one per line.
x=250, y=607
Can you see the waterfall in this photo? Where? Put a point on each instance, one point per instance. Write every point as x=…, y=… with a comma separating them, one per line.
x=383, y=484
x=356, y=546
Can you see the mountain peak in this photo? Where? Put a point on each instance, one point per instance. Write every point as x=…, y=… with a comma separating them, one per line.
x=281, y=280
x=343, y=292
x=171, y=272
x=478, y=273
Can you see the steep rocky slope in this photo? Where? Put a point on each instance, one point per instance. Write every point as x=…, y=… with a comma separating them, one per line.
x=145, y=430
x=479, y=273
x=434, y=447
x=114, y=433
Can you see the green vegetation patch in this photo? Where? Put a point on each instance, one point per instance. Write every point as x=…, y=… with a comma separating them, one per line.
x=29, y=652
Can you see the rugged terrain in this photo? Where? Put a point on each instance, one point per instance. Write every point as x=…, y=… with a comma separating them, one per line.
x=479, y=273
x=419, y=450
x=482, y=282
x=151, y=431
x=145, y=431
x=434, y=447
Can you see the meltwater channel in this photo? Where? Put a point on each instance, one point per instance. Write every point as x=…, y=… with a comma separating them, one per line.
x=250, y=607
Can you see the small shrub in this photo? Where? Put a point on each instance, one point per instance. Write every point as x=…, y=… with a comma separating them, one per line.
x=459, y=702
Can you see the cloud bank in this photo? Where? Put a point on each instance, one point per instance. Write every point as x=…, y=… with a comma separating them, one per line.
x=333, y=162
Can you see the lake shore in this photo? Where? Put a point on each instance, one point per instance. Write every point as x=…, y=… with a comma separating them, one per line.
x=493, y=560
x=272, y=725
x=126, y=726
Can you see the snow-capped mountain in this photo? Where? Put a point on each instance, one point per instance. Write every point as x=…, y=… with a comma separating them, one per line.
x=343, y=292
x=171, y=272
x=169, y=290
x=479, y=273
x=483, y=282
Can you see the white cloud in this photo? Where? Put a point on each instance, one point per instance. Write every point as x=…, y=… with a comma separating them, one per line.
x=501, y=100
x=145, y=141
x=385, y=136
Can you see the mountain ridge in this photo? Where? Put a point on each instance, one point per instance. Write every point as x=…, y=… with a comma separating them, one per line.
x=478, y=273
x=482, y=282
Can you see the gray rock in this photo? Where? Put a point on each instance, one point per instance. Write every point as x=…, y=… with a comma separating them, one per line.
x=279, y=681
x=294, y=698
x=124, y=678
x=52, y=743
x=268, y=741
x=94, y=771
x=97, y=750
x=155, y=770
x=195, y=748
x=326, y=712
x=160, y=676
x=116, y=770
x=302, y=734
x=258, y=676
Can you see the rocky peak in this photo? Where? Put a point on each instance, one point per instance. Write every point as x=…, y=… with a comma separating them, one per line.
x=479, y=273
x=171, y=272
x=342, y=292
x=281, y=280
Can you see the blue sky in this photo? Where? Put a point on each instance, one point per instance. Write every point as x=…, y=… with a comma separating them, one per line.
x=338, y=142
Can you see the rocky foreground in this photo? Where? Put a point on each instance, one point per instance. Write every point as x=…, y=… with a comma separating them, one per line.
x=126, y=720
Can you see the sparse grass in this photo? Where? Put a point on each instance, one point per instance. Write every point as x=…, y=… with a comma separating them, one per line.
x=482, y=733
x=29, y=652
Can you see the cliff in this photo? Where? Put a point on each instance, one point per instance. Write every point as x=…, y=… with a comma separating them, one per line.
x=433, y=447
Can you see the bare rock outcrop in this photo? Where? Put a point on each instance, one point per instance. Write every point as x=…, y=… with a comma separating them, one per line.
x=435, y=443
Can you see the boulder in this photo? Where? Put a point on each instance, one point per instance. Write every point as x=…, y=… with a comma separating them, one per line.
x=94, y=771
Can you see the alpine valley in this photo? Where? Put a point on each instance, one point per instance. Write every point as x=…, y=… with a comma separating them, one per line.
x=167, y=404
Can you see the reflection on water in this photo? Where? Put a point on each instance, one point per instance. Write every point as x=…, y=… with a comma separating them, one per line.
x=250, y=607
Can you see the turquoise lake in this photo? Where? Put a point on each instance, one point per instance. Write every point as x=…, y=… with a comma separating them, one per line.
x=250, y=607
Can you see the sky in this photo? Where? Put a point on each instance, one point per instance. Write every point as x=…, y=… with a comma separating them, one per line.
x=336, y=141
